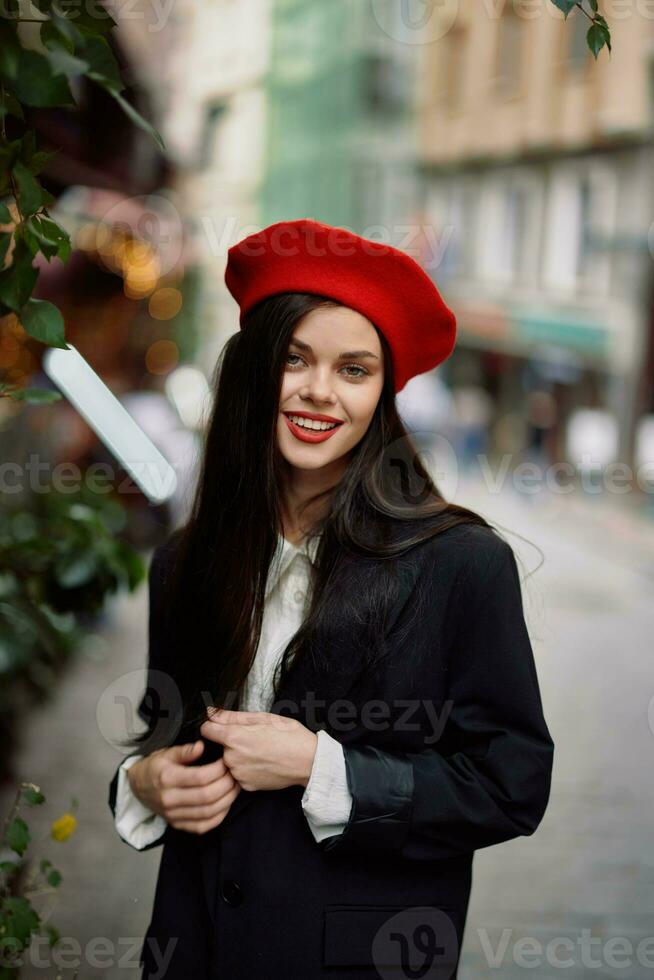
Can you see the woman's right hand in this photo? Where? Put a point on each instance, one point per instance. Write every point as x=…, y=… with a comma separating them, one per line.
x=189, y=797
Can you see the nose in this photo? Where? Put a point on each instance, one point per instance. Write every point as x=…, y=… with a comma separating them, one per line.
x=318, y=389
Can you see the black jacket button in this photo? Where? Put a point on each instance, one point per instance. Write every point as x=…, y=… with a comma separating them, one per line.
x=231, y=892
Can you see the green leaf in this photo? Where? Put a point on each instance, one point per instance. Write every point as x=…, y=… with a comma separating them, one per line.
x=25, y=233
x=35, y=396
x=565, y=6
x=21, y=918
x=18, y=281
x=5, y=214
x=59, y=31
x=597, y=37
x=53, y=37
x=137, y=118
x=36, y=85
x=103, y=65
x=74, y=570
x=52, y=230
x=48, y=248
x=89, y=16
x=18, y=835
x=8, y=867
x=593, y=5
x=10, y=49
x=29, y=189
x=32, y=796
x=47, y=197
x=601, y=22
x=52, y=236
x=43, y=321
x=63, y=62
x=65, y=25
x=54, y=878
x=37, y=162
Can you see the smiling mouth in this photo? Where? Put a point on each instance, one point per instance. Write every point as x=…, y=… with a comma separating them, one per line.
x=310, y=430
x=317, y=424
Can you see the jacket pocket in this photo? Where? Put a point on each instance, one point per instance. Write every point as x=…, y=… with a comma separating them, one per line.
x=422, y=937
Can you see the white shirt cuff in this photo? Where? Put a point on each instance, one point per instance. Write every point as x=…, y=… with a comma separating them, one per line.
x=134, y=821
x=327, y=801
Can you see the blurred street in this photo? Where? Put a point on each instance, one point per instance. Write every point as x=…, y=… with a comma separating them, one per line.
x=590, y=864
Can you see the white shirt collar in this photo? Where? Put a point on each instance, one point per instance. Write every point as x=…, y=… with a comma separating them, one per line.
x=286, y=552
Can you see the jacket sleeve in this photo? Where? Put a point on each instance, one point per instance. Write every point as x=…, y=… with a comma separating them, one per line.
x=487, y=780
x=157, y=659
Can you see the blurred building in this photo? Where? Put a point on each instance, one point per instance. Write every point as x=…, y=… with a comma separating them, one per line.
x=341, y=146
x=215, y=127
x=537, y=162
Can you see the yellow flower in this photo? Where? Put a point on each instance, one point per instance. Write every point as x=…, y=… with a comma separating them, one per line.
x=63, y=827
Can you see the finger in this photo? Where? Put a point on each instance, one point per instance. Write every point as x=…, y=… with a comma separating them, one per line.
x=226, y=716
x=177, y=777
x=203, y=825
x=182, y=754
x=175, y=797
x=215, y=731
x=204, y=811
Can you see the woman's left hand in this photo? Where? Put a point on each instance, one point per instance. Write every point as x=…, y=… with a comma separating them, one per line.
x=262, y=750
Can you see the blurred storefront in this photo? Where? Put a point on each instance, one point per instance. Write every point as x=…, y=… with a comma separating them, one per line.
x=537, y=169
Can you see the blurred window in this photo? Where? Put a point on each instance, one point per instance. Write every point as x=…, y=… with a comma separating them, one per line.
x=213, y=116
x=508, y=69
x=459, y=229
x=453, y=54
x=581, y=213
x=512, y=241
x=386, y=84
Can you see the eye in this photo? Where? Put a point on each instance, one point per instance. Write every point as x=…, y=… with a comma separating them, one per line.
x=294, y=363
x=357, y=367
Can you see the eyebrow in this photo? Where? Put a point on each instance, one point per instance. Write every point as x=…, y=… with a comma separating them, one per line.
x=341, y=357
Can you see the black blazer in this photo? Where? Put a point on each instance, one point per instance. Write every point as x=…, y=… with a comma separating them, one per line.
x=446, y=751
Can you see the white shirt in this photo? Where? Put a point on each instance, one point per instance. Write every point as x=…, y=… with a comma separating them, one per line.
x=326, y=802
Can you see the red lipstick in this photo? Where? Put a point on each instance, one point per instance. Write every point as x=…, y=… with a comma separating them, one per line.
x=312, y=435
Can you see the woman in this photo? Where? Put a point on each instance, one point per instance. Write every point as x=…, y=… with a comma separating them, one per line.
x=342, y=699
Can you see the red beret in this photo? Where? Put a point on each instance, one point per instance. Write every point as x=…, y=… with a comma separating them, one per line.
x=383, y=283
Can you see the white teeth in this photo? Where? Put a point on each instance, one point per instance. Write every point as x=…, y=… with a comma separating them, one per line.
x=311, y=423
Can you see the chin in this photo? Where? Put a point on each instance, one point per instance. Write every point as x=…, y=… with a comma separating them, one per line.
x=308, y=460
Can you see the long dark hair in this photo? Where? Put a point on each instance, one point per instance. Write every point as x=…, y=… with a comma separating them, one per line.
x=215, y=590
